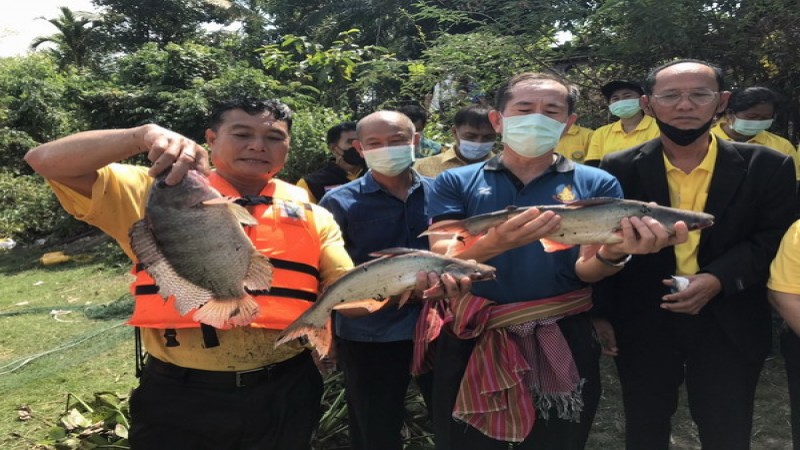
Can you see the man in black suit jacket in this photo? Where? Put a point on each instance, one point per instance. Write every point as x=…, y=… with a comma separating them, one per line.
x=715, y=334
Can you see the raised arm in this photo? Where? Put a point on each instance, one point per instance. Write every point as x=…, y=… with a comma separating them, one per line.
x=74, y=160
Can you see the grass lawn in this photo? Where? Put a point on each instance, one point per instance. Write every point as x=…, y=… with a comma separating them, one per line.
x=63, y=334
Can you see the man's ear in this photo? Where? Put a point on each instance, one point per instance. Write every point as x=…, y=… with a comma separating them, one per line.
x=211, y=137
x=644, y=103
x=417, y=139
x=496, y=119
x=569, y=123
x=724, y=96
x=358, y=147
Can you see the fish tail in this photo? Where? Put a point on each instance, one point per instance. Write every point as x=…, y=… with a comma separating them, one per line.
x=228, y=312
x=320, y=338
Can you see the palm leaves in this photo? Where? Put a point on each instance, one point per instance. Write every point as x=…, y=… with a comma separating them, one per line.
x=73, y=42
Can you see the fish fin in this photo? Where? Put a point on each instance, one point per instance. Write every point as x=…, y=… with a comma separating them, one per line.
x=229, y=312
x=447, y=227
x=437, y=288
x=187, y=295
x=591, y=201
x=259, y=273
x=242, y=214
x=320, y=338
x=218, y=201
x=551, y=246
x=369, y=304
x=404, y=298
x=394, y=251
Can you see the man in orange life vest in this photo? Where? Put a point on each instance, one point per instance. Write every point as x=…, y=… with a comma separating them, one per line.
x=203, y=388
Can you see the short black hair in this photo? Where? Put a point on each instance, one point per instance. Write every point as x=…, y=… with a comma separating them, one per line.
x=251, y=105
x=474, y=116
x=414, y=112
x=650, y=82
x=504, y=93
x=609, y=88
x=747, y=98
x=335, y=132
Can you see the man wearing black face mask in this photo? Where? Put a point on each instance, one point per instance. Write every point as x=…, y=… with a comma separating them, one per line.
x=715, y=332
x=345, y=166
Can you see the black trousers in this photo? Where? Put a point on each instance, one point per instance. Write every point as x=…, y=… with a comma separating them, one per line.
x=790, y=348
x=172, y=411
x=452, y=355
x=720, y=383
x=376, y=378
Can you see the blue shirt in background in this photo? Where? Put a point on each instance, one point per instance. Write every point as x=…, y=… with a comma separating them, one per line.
x=527, y=272
x=372, y=219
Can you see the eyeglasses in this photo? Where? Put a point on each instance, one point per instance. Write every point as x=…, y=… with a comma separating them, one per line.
x=699, y=98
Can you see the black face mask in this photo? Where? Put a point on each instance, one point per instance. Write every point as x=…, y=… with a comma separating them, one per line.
x=682, y=137
x=351, y=156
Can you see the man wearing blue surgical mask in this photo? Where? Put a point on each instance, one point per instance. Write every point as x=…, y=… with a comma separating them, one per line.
x=475, y=140
x=633, y=127
x=749, y=115
x=383, y=209
x=521, y=382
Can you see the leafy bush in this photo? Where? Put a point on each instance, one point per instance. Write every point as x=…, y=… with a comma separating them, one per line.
x=29, y=209
x=308, y=151
x=13, y=146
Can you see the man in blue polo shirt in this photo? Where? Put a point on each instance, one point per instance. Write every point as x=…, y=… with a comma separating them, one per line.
x=555, y=387
x=383, y=209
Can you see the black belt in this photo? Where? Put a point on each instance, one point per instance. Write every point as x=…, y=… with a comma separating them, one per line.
x=243, y=378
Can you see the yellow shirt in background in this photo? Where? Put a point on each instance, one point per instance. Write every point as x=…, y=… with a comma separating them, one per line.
x=690, y=191
x=575, y=143
x=118, y=201
x=430, y=166
x=612, y=138
x=784, y=272
x=766, y=139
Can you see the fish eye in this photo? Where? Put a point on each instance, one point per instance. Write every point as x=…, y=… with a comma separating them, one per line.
x=161, y=184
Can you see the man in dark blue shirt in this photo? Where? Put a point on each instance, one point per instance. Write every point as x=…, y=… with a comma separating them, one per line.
x=385, y=208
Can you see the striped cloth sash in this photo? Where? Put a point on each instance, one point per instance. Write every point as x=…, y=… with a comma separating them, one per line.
x=496, y=394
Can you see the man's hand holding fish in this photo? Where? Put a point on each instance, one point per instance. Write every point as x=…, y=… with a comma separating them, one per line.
x=170, y=150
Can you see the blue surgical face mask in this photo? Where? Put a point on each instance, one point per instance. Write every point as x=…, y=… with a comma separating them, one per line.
x=474, y=150
x=532, y=135
x=625, y=108
x=390, y=161
x=750, y=127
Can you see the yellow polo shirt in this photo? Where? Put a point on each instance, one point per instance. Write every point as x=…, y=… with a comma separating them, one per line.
x=612, y=138
x=118, y=200
x=575, y=143
x=784, y=272
x=766, y=139
x=430, y=166
x=690, y=191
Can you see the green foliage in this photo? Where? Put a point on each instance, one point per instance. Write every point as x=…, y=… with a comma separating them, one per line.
x=29, y=210
x=99, y=423
x=74, y=42
x=33, y=98
x=308, y=151
x=326, y=73
x=13, y=146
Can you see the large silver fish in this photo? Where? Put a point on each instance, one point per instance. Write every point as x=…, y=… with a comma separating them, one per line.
x=192, y=244
x=370, y=285
x=590, y=221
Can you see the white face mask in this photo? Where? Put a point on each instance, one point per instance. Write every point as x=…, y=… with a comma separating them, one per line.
x=750, y=127
x=625, y=108
x=390, y=161
x=474, y=150
x=532, y=135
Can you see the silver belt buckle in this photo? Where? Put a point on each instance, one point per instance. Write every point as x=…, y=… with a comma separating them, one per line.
x=240, y=373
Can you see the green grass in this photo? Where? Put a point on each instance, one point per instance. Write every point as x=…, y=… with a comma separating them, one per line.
x=44, y=357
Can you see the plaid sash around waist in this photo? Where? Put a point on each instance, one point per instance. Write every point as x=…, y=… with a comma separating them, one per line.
x=496, y=392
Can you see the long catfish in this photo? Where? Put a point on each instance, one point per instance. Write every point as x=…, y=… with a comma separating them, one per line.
x=590, y=221
x=371, y=284
x=192, y=244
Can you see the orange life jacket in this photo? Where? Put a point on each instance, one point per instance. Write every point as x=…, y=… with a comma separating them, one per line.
x=285, y=233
